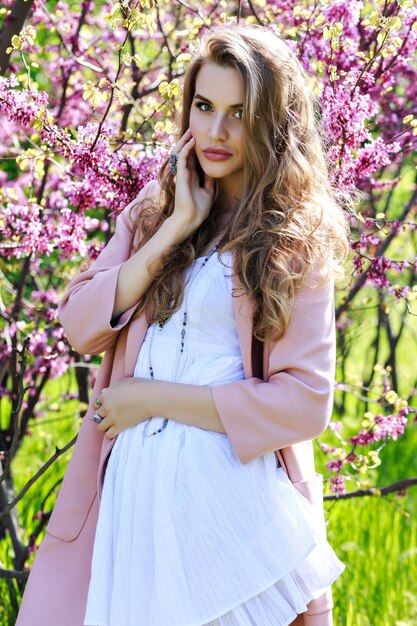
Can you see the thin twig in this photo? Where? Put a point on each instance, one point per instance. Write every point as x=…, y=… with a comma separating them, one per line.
x=12, y=573
x=58, y=452
x=16, y=412
x=254, y=12
x=360, y=281
x=401, y=485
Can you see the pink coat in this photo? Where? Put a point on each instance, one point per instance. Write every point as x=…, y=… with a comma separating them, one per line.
x=285, y=399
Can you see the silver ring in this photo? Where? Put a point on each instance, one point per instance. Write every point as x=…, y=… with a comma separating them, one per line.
x=98, y=402
x=97, y=418
x=173, y=164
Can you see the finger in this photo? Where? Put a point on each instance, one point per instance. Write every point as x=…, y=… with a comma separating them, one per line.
x=183, y=154
x=186, y=146
x=104, y=424
x=192, y=168
x=183, y=140
x=111, y=433
x=98, y=402
x=192, y=161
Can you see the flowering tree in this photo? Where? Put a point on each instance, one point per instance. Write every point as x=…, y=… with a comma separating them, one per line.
x=88, y=98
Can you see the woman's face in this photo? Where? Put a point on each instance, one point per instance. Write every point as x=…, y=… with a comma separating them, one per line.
x=216, y=124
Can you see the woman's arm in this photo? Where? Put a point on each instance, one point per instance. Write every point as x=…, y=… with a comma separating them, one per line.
x=295, y=403
x=292, y=406
x=132, y=400
x=86, y=309
x=137, y=273
x=100, y=301
x=188, y=404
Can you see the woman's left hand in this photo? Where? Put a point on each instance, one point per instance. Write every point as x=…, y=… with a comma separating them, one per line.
x=122, y=405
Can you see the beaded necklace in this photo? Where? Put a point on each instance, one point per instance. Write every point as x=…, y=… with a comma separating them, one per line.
x=162, y=323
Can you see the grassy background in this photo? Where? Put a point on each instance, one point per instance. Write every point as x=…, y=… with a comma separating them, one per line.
x=376, y=538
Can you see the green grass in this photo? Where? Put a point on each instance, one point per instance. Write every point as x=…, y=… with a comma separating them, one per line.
x=378, y=544
x=376, y=538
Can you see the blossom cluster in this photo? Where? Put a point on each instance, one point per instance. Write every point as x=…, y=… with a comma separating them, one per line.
x=20, y=106
x=355, y=455
x=385, y=427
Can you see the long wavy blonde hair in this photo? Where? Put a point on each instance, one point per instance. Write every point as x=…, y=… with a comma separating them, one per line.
x=287, y=219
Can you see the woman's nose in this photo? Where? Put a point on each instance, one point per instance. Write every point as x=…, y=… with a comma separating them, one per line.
x=218, y=129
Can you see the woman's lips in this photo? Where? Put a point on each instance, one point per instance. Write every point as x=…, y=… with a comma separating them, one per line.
x=215, y=156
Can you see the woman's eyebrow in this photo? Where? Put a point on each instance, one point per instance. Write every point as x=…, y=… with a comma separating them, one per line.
x=232, y=106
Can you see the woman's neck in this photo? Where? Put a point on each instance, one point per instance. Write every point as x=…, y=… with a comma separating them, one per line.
x=225, y=212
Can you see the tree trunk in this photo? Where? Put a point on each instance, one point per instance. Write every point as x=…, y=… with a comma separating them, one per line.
x=13, y=24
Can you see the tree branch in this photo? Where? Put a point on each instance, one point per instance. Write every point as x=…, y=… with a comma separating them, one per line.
x=12, y=573
x=42, y=470
x=360, y=281
x=401, y=485
x=12, y=26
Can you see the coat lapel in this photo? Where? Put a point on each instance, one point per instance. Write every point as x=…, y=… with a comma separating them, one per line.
x=136, y=334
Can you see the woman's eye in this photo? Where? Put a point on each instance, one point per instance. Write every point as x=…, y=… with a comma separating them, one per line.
x=199, y=105
x=237, y=114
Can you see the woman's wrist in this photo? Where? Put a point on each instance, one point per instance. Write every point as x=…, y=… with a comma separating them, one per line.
x=146, y=390
x=180, y=228
x=188, y=404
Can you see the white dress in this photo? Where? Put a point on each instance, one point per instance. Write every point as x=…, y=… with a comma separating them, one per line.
x=187, y=535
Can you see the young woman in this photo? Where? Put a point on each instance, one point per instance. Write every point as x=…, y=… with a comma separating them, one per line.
x=213, y=304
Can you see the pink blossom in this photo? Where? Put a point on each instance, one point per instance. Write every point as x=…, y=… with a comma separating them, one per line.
x=337, y=484
x=335, y=465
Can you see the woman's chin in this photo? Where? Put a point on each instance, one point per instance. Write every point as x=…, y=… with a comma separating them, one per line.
x=216, y=171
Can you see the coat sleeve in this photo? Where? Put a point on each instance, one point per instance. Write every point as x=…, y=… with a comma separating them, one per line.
x=85, y=310
x=294, y=403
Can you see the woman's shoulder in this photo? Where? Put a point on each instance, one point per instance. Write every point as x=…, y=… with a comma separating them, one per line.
x=151, y=188
x=319, y=272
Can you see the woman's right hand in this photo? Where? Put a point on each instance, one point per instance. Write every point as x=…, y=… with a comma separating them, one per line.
x=192, y=202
